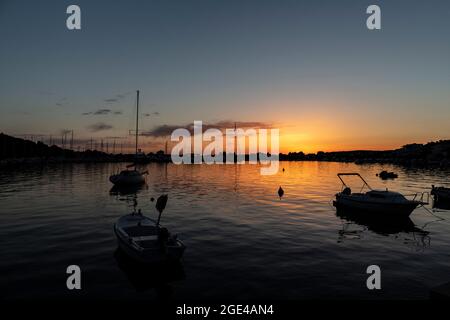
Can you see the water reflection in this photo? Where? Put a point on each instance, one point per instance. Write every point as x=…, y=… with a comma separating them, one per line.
x=243, y=238
x=401, y=229
x=440, y=204
x=127, y=190
x=144, y=277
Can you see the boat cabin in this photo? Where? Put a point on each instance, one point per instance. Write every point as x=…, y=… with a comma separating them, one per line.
x=386, y=195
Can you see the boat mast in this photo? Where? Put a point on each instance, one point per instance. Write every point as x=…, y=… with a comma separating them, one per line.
x=137, y=120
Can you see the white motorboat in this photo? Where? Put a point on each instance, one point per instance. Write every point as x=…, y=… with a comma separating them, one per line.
x=128, y=177
x=144, y=240
x=379, y=202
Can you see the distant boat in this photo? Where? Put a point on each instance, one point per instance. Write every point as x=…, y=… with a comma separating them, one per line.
x=128, y=178
x=380, y=202
x=440, y=193
x=387, y=175
x=145, y=240
x=131, y=177
x=441, y=197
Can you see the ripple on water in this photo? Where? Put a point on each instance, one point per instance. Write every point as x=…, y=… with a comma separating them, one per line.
x=242, y=239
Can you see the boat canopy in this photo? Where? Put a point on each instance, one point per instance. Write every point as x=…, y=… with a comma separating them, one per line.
x=365, y=184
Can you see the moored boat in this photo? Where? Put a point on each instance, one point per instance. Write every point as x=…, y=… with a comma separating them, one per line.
x=128, y=178
x=380, y=202
x=440, y=193
x=131, y=177
x=387, y=175
x=145, y=240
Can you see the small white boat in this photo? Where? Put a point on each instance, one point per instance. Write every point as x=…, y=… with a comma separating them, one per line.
x=380, y=202
x=128, y=178
x=144, y=240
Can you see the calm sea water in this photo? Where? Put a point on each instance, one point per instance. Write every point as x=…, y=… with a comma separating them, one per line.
x=242, y=240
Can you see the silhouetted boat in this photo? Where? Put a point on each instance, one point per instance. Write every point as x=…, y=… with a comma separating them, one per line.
x=128, y=177
x=131, y=177
x=440, y=193
x=145, y=240
x=441, y=196
x=387, y=175
x=381, y=202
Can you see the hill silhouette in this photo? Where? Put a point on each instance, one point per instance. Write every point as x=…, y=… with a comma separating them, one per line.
x=16, y=150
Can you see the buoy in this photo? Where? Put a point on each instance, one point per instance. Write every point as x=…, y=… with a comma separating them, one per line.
x=280, y=192
x=283, y=169
x=152, y=199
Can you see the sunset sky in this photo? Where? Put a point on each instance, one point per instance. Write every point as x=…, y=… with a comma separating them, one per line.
x=310, y=68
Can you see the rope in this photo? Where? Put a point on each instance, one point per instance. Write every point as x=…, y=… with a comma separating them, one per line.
x=430, y=212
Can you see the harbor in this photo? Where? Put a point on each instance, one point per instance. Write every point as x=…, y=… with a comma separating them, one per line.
x=224, y=159
x=254, y=245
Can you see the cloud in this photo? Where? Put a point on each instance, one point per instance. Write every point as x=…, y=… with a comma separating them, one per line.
x=163, y=130
x=61, y=102
x=166, y=130
x=156, y=113
x=99, y=126
x=116, y=98
x=102, y=112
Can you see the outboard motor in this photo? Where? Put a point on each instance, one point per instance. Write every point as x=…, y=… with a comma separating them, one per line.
x=163, y=235
x=347, y=191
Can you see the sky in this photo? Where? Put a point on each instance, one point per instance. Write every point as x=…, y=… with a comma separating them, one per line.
x=310, y=68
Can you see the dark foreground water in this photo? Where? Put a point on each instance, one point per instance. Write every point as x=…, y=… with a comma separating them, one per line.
x=242, y=240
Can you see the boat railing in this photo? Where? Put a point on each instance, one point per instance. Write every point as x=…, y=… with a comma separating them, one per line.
x=422, y=197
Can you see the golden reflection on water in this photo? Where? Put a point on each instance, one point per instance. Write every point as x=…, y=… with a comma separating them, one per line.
x=241, y=238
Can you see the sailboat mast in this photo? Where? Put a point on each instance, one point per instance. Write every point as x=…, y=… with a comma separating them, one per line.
x=137, y=120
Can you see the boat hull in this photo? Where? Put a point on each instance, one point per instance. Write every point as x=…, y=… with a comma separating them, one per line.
x=441, y=194
x=396, y=210
x=151, y=256
x=120, y=180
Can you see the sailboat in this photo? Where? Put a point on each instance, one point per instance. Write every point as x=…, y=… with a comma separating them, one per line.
x=130, y=176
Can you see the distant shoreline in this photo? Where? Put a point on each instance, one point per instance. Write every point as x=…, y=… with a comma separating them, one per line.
x=16, y=152
x=22, y=162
